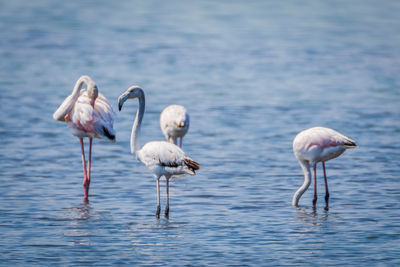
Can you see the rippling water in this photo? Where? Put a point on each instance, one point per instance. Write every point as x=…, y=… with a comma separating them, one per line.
x=252, y=75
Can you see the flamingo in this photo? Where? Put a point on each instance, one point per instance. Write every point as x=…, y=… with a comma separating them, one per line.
x=174, y=123
x=317, y=144
x=88, y=114
x=160, y=157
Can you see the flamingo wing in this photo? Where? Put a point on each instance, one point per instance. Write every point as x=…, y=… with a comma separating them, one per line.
x=166, y=158
x=320, y=144
x=86, y=121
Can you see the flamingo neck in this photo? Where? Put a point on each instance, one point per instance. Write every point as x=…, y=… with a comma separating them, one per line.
x=307, y=181
x=69, y=102
x=135, y=135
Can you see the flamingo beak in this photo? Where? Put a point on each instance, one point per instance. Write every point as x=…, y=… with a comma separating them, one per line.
x=180, y=125
x=121, y=100
x=132, y=92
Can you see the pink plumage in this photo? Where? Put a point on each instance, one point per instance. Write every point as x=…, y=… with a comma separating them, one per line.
x=88, y=114
x=93, y=122
x=317, y=144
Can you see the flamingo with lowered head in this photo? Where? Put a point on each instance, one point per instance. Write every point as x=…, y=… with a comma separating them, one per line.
x=174, y=123
x=88, y=114
x=160, y=157
x=317, y=144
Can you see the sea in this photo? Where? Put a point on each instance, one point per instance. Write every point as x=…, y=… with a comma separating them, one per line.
x=251, y=74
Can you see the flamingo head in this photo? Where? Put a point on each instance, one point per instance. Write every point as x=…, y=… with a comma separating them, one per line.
x=133, y=92
x=93, y=92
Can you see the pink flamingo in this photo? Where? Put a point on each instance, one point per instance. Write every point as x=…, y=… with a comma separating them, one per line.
x=88, y=114
x=317, y=144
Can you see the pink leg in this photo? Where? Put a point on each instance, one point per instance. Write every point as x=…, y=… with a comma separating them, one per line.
x=85, y=177
x=315, y=185
x=180, y=142
x=90, y=161
x=326, y=187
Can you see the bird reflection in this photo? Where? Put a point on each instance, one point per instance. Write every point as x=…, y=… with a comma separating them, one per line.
x=311, y=216
x=83, y=211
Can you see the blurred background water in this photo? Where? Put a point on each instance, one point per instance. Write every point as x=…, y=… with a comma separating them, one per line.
x=252, y=74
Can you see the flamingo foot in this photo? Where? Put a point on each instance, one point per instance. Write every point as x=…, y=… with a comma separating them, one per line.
x=86, y=184
x=158, y=212
x=327, y=201
x=166, y=213
x=314, y=202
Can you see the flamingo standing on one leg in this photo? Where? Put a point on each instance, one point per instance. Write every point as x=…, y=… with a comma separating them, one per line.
x=174, y=123
x=317, y=144
x=162, y=158
x=88, y=114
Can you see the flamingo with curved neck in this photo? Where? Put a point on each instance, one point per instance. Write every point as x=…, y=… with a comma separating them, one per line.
x=88, y=114
x=317, y=144
x=67, y=105
x=160, y=157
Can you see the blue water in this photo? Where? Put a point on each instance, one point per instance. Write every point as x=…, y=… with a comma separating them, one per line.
x=252, y=74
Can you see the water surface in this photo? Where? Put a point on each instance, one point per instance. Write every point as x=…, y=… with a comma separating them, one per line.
x=252, y=75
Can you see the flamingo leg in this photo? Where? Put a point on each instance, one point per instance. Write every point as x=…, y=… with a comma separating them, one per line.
x=315, y=185
x=85, y=177
x=167, y=204
x=158, y=198
x=89, y=162
x=326, y=187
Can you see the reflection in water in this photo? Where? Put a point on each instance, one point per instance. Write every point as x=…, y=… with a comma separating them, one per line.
x=312, y=217
x=84, y=211
x=79, y=231
x=81, y=212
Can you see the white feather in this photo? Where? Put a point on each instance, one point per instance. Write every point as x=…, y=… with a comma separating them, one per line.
x=174, y=122
x=86, y=121
x=160, y=157
x=317, y=144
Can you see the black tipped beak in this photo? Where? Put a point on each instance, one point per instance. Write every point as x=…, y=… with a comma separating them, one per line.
x=120, y=103
x=121, y=100
x=350, y=143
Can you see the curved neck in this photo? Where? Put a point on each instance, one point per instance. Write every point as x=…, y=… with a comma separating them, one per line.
x=135, y=135
x=69, y=102
x=307, y=181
